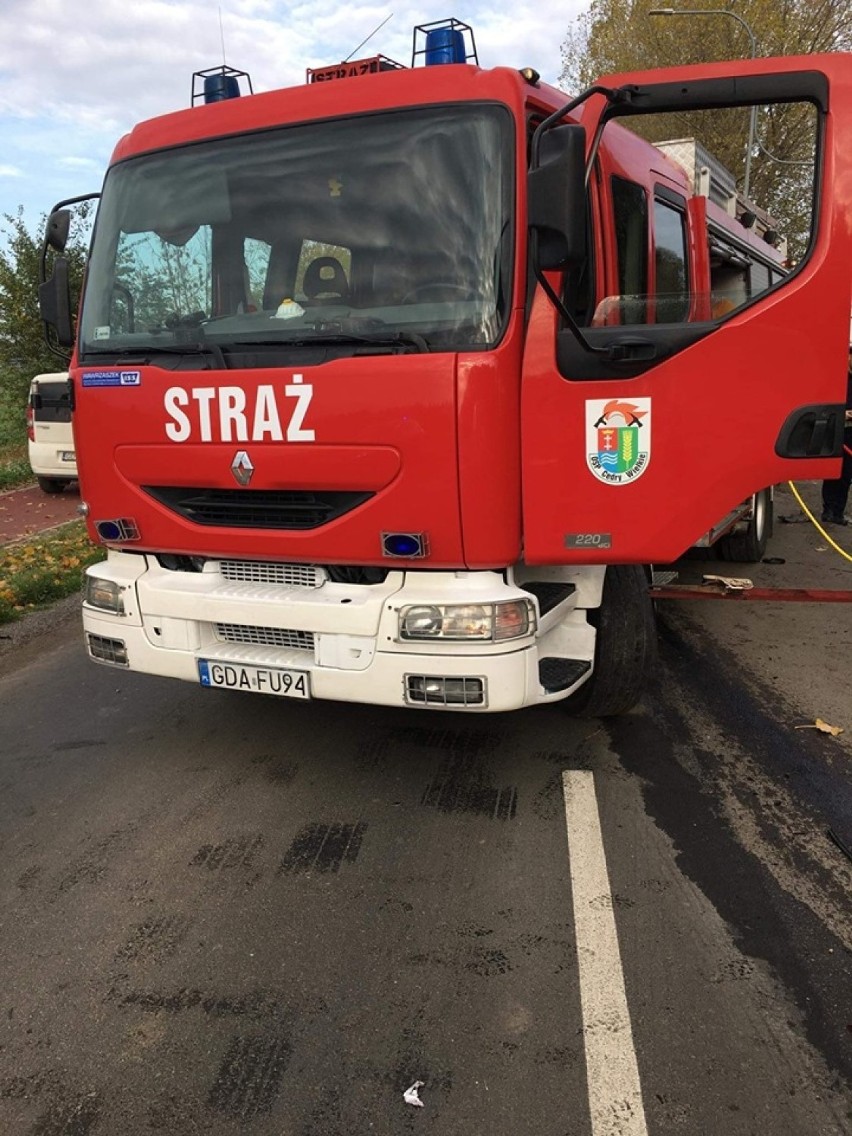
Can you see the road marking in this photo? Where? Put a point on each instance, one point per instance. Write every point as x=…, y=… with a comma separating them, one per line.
x=612, y=1074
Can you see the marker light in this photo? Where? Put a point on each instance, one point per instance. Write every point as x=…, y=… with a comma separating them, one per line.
x=479, y=622
x=104, y=594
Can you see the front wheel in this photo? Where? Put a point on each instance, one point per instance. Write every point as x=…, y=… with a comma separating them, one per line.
x=625, y=646
x=50, y=484
x=749, y=547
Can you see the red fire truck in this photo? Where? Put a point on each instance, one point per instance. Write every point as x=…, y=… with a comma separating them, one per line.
x=391, y=387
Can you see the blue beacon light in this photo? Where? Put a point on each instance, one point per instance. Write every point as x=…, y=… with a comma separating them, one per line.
x=443, y=41
x=122, y=528
x=444, y=45
x=219, y=87
x=406, y=546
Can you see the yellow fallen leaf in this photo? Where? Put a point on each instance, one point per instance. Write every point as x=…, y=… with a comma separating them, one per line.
x=823, y=727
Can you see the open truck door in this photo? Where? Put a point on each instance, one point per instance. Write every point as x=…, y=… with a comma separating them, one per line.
x=648, y=417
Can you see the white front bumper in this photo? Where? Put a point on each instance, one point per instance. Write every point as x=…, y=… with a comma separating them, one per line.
x=345, y=637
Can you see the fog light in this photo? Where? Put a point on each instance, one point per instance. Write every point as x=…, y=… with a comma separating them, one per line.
x=104, y=594
x=108, y=650
x=439, y=690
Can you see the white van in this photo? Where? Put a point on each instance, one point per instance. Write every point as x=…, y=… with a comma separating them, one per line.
x=51, y=442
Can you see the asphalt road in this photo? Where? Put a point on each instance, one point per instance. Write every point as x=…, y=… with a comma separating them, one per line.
x=230, y=914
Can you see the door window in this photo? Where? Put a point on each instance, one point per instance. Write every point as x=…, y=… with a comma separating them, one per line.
x=630, y=214
x=671, y=288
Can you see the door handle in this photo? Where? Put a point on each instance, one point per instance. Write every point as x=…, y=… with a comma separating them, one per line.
x=812, y=432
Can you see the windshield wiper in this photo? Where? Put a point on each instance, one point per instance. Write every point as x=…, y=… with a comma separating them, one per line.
x=396, y=339
x=366, y=329
x=379, y=339
x=143, y=355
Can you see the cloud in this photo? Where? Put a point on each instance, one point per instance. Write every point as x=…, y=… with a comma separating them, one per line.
x=75, y=163
x=75, y=80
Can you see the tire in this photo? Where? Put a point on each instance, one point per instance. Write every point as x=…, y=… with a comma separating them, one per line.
x=51, y=484
x=625, y=646
x=749, y=547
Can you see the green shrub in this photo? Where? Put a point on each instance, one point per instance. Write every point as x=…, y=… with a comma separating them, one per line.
x=37, y=572
x=13, y=418
x=14, y=471
x=14, y=464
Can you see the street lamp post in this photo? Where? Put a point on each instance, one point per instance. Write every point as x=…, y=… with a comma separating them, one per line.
x=753, y=116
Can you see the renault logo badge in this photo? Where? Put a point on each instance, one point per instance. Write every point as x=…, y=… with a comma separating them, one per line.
x=241, y=468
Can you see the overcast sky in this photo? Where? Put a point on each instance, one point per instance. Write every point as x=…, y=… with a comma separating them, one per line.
x=76, y=74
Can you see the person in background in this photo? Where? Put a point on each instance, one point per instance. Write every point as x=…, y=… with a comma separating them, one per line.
x=835, y=493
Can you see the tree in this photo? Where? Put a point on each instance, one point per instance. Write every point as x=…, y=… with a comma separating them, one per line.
x=23, y=351
x=620, y=35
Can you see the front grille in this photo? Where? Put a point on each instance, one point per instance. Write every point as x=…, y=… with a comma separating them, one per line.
x=257, y=508
x=264, y=636
x=271, y=572
x=356, y=574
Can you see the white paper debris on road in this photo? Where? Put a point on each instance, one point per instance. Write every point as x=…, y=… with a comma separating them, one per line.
x=730, y=583
x=411, y=1096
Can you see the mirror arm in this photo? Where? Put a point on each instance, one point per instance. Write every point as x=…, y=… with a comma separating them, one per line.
x=62, y=353
x=569, y=320
x=612, y=96
x=556, y=300
x=557, y=115
x=45, y=244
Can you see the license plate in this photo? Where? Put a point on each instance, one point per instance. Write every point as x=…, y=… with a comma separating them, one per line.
x=260, y=680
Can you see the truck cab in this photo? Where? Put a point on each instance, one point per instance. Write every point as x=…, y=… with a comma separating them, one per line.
x=391, y=388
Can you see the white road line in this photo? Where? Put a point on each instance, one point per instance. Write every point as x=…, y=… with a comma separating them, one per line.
x=615, y=1093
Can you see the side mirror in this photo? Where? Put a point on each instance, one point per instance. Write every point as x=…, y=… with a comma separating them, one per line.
x=58, y=225
x=556, y=194
x=54, y=301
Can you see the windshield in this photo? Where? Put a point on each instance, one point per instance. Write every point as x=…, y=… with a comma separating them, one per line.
x=388, y=231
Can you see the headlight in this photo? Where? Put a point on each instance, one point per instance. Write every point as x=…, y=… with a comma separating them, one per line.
x=478, y=622
x=105, y=594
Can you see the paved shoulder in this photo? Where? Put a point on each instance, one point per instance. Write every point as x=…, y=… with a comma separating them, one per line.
x=28, y=511
x=36, y=632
